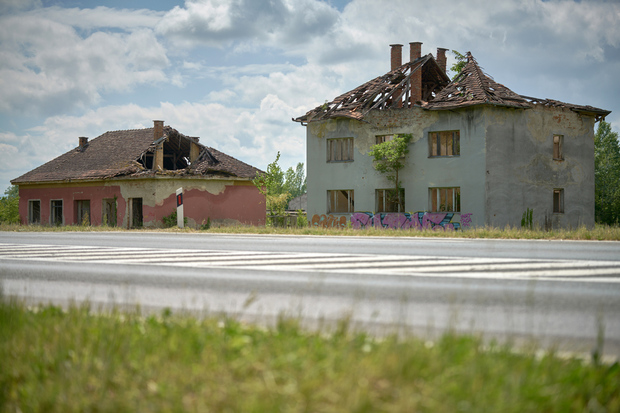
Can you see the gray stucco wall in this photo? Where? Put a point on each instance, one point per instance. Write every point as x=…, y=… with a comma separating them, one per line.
x=465, y=171
x=521, y=172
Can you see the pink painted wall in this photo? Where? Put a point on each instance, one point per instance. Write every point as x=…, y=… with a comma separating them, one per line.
x=241, y=203
x=96, y=195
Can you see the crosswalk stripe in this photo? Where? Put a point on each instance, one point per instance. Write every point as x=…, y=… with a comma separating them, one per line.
x=430, y=266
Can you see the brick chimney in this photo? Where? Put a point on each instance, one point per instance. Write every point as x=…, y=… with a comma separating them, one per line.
x=441, y=58
x=396, y=56
x=415, y=51
x=83, y=141
x=158, y=132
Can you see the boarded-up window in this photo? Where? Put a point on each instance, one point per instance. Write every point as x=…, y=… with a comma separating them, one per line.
x=82, y=210
x=108, y=213
x=56, y=213
x=34, y=212
x=445, y=143
x=340, y=201
x=444, y=199
x=340, y=150
x=558, y=201
x=390, y=200
x=558, y=141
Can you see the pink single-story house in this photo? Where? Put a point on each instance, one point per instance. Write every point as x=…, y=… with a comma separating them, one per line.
x=129, y=178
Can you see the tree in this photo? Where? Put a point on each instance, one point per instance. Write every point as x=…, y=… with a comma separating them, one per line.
x=390, y=157
x=295, y=181
x=461, y=61
x=9, y=206
x=606, y=175
x=279, y=187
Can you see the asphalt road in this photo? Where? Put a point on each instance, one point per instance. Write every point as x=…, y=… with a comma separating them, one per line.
x=558, y=293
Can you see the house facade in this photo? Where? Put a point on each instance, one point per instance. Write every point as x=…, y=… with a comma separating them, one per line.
x=479, y=153
x=129, y=178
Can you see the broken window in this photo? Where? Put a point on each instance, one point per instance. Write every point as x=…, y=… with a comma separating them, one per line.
x=82, y=211
x=108, y=212
x=384, y=138
x=445, y=143
x=340, y=201
x=558, y=201
x=390, y=200
x=340, y=150
x=444, y=199
x=34, y=211
x=558, y=141
x=56, y=215
x=135, y=213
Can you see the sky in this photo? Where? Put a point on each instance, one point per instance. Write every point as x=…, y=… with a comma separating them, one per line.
x=234, y=72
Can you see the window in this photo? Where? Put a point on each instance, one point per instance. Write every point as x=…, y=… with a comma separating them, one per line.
x=444, y=199
x=108, y=212
x=82, y=210
x=444, y=143
x=340, y=150
x=558, y=141
x=558, y=201
x=56, y=216
x=384, y=138
x=135, y=213
x=34, y=212
x=388, y=200
x=340, y=201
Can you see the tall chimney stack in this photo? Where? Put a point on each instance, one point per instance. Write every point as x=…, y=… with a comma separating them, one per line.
x=415, y=51
x=441, y=58
x=158, y=132
x=396, y=56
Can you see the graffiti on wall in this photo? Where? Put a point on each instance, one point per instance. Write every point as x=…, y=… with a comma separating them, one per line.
x=415, y=220
x=328, y=221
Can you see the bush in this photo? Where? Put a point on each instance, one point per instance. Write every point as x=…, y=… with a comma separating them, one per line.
x=171, y=220
x=9, y=206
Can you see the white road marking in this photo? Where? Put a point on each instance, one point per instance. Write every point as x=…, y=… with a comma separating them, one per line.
x=404, y=265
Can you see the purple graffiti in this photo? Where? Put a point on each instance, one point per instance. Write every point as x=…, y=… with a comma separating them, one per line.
x=439, y=221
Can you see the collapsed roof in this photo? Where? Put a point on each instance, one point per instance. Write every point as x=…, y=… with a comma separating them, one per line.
x=131, y=154
x=393, y=90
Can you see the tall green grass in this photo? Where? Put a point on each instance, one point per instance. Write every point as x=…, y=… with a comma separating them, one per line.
x=78, y=360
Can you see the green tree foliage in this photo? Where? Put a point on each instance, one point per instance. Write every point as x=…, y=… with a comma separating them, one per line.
x=390, y=157
x=461, y=61
x=280, y=187
x=9, y=206
x=606, y=175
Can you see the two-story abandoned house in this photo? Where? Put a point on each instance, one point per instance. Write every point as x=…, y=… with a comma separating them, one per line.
x=479, y=152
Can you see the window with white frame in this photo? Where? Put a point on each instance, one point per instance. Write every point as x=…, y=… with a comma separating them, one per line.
x=558, y=201
x=444, y=199
x=558, y=142
x=56, y=213
x=445, y=143
x=340, y=150
x=390, y=200
x=340, y=201
x=34, y=211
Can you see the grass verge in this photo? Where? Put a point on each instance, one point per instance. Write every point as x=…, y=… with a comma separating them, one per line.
x=76, y=360
x=598, y=233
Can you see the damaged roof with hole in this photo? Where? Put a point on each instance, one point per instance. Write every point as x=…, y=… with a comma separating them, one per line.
x=392, y=90
x=471, y=87
x=126, y=154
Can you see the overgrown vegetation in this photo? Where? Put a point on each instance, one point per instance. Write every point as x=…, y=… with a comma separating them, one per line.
x=279, y=187
x=606, y=175
x=459, y=64
x=76, y=360
x=527, y=219
x=389, y=158
x=171, y=220
x=9, y=206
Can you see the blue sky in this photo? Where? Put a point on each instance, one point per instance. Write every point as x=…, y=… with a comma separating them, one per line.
x=234, y=72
